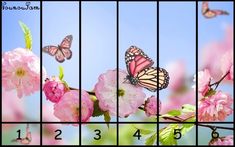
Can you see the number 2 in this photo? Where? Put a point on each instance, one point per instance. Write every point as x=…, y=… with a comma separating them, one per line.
x=57, y=136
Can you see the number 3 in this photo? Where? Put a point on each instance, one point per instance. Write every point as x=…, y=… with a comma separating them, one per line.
x=98, y=134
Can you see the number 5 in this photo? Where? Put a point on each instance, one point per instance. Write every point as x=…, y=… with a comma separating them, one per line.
x=177, y=134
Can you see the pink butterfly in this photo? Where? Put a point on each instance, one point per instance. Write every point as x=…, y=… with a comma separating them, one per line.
x=208, y=13
x=61, y=51
x=141, y=72
x=25, y=140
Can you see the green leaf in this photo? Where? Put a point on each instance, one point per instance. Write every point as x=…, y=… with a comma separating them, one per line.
x=27, y=36
x=210, y=92
x=61, y=72
x=186, y=128
x=144, y=131
x=65, y=84
x=174, y=113
x=107, y=118
x=97, y=111
x=193, y=119
x=150, y=140
x=188, y=108
x=166, y=135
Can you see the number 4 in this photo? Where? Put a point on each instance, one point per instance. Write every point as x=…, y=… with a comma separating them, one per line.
x=137, y=134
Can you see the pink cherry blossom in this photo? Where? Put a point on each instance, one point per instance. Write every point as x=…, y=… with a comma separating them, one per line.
x=204, y=79
x=215, y=108
x=130, y=97
x=177, y=78
x=227, y=64
x=213, y=52
x=150, y=106
x=222, y=141
x=54, y=89
x=21, y=71
x=67, y=109
x=13, y=107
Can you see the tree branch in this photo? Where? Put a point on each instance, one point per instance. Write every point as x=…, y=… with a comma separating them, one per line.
x=218, y=82
x=89, y=92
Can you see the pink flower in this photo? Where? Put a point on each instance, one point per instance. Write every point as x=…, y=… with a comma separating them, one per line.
x=215, y=107
x=150, y=106
x=227, y=140
x=21, y=71
x=67, y=109
x=227, y=64
x=54, y=89
x=204, y=79
x=13, y=108
x=130, y=97
x=177, y=78
x=213, y=52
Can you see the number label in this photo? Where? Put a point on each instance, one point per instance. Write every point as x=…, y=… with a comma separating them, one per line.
x=177, y=134
x=19, y=132
x=98, y=136
x=59, y=133
x=137, y=134
x=214, y=134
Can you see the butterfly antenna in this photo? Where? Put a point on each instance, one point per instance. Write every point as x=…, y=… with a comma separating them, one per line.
x=226, y=13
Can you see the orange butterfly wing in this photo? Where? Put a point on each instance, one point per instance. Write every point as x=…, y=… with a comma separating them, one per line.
x=148, y=78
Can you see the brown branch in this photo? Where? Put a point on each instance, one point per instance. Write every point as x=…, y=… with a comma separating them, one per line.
x=89, y=92
x=218, y=82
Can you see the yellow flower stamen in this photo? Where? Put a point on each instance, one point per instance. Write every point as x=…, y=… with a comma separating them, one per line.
x=121, y=92
x=20, y=72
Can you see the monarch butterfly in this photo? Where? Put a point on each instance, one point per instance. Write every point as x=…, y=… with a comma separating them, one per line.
x=61, y=51
x=208, y=13
x=141, y=73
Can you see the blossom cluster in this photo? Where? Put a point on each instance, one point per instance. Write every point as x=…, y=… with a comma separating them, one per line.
x=21, y=71
x=214, y=105
x=66, y=107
